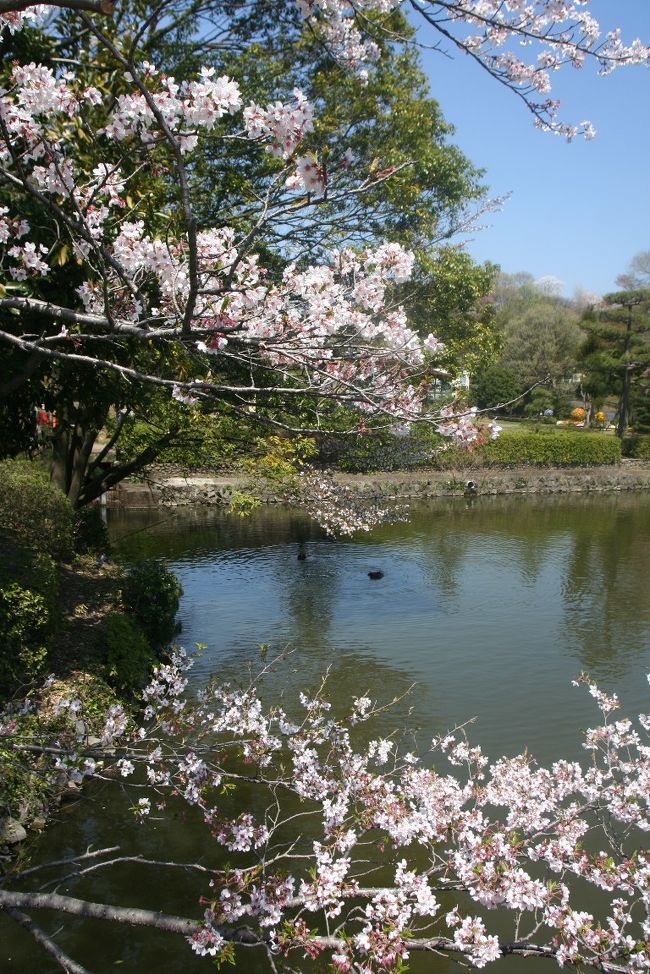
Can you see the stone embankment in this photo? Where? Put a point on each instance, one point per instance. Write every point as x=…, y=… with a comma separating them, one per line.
x=171, y=487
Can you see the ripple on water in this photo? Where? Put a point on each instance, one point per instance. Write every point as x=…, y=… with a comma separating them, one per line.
x=491, y=611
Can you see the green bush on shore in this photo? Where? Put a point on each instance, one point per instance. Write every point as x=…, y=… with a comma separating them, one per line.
x=90, y=532
x=151, y=593
x=29, y=612
x=541, y=448
x=34, y=510
x=128, y=656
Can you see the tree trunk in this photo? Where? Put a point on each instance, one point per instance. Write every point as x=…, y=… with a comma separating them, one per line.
x=624, y=403
x=96, y=486
x=83, y=443
x=72, y=444
x=60, y=456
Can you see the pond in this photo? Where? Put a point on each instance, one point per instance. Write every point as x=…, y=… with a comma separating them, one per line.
x=488, y=608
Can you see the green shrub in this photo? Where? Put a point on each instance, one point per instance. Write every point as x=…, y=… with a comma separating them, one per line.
x=636, y=447
x=128, y=657
x=151, y=592
x=29, y=612
x=545, y=448
x=24, y=631
x=381, y=450
x=35, y=510
x=90, y=532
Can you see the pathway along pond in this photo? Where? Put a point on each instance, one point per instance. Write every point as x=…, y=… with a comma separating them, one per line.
x=490, y=607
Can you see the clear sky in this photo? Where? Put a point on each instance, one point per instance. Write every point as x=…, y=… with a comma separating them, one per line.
x=578, y=211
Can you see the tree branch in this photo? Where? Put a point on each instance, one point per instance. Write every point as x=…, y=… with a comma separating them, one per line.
x=67, y=963
x=132, y=916
x=244, y=935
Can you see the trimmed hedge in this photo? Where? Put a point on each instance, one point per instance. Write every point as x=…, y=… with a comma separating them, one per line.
x=546, y=448
x=34, y=510
x=637, y=447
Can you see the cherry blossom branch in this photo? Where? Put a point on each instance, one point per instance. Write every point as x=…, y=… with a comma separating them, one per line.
x=132, y=916
x=562, y=33
x=502, y=835
x=89, y=854
x=189, y=217
x=245, y=936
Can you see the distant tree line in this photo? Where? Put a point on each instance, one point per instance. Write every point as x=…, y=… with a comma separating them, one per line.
x=557, y=351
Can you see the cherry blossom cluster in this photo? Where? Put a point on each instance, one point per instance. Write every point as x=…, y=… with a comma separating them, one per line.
x=340, y=510
x=562, y=32
x=25, y=259
x=17, y=19
x=505, y=835
x=329, y=321
x=158, y=107
x=461, y=426
x=182, y=108
x=284, y=125
x=343, y=36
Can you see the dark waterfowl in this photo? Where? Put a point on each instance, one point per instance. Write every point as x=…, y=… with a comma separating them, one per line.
x=375, y=574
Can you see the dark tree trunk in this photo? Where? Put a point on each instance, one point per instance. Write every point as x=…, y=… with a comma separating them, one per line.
x=624, y=403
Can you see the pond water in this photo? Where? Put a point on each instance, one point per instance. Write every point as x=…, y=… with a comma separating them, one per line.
x=488, y=608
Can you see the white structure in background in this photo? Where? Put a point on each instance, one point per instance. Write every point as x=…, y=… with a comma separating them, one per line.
x=461, y=383
x=440, y=388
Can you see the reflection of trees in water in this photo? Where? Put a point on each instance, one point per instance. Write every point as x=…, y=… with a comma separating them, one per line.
x=605, y=588
x=599, y=545
x=179, y=534
x=442, y=562
x=311, y=590
x=525, y=535
x=308, y=587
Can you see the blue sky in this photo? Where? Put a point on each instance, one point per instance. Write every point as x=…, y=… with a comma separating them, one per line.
x=577, y=211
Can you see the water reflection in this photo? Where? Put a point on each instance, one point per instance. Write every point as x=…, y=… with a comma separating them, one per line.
x=490, y=608
x=606, y=587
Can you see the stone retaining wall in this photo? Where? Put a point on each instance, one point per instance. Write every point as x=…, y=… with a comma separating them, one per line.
x=171, y=489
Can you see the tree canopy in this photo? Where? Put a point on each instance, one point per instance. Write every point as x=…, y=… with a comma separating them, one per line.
x=616, y=351
x=198, y=196
x=230, y=203
x=172, y=280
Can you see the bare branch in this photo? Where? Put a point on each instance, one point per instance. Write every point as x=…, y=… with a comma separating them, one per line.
x=67, y=963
